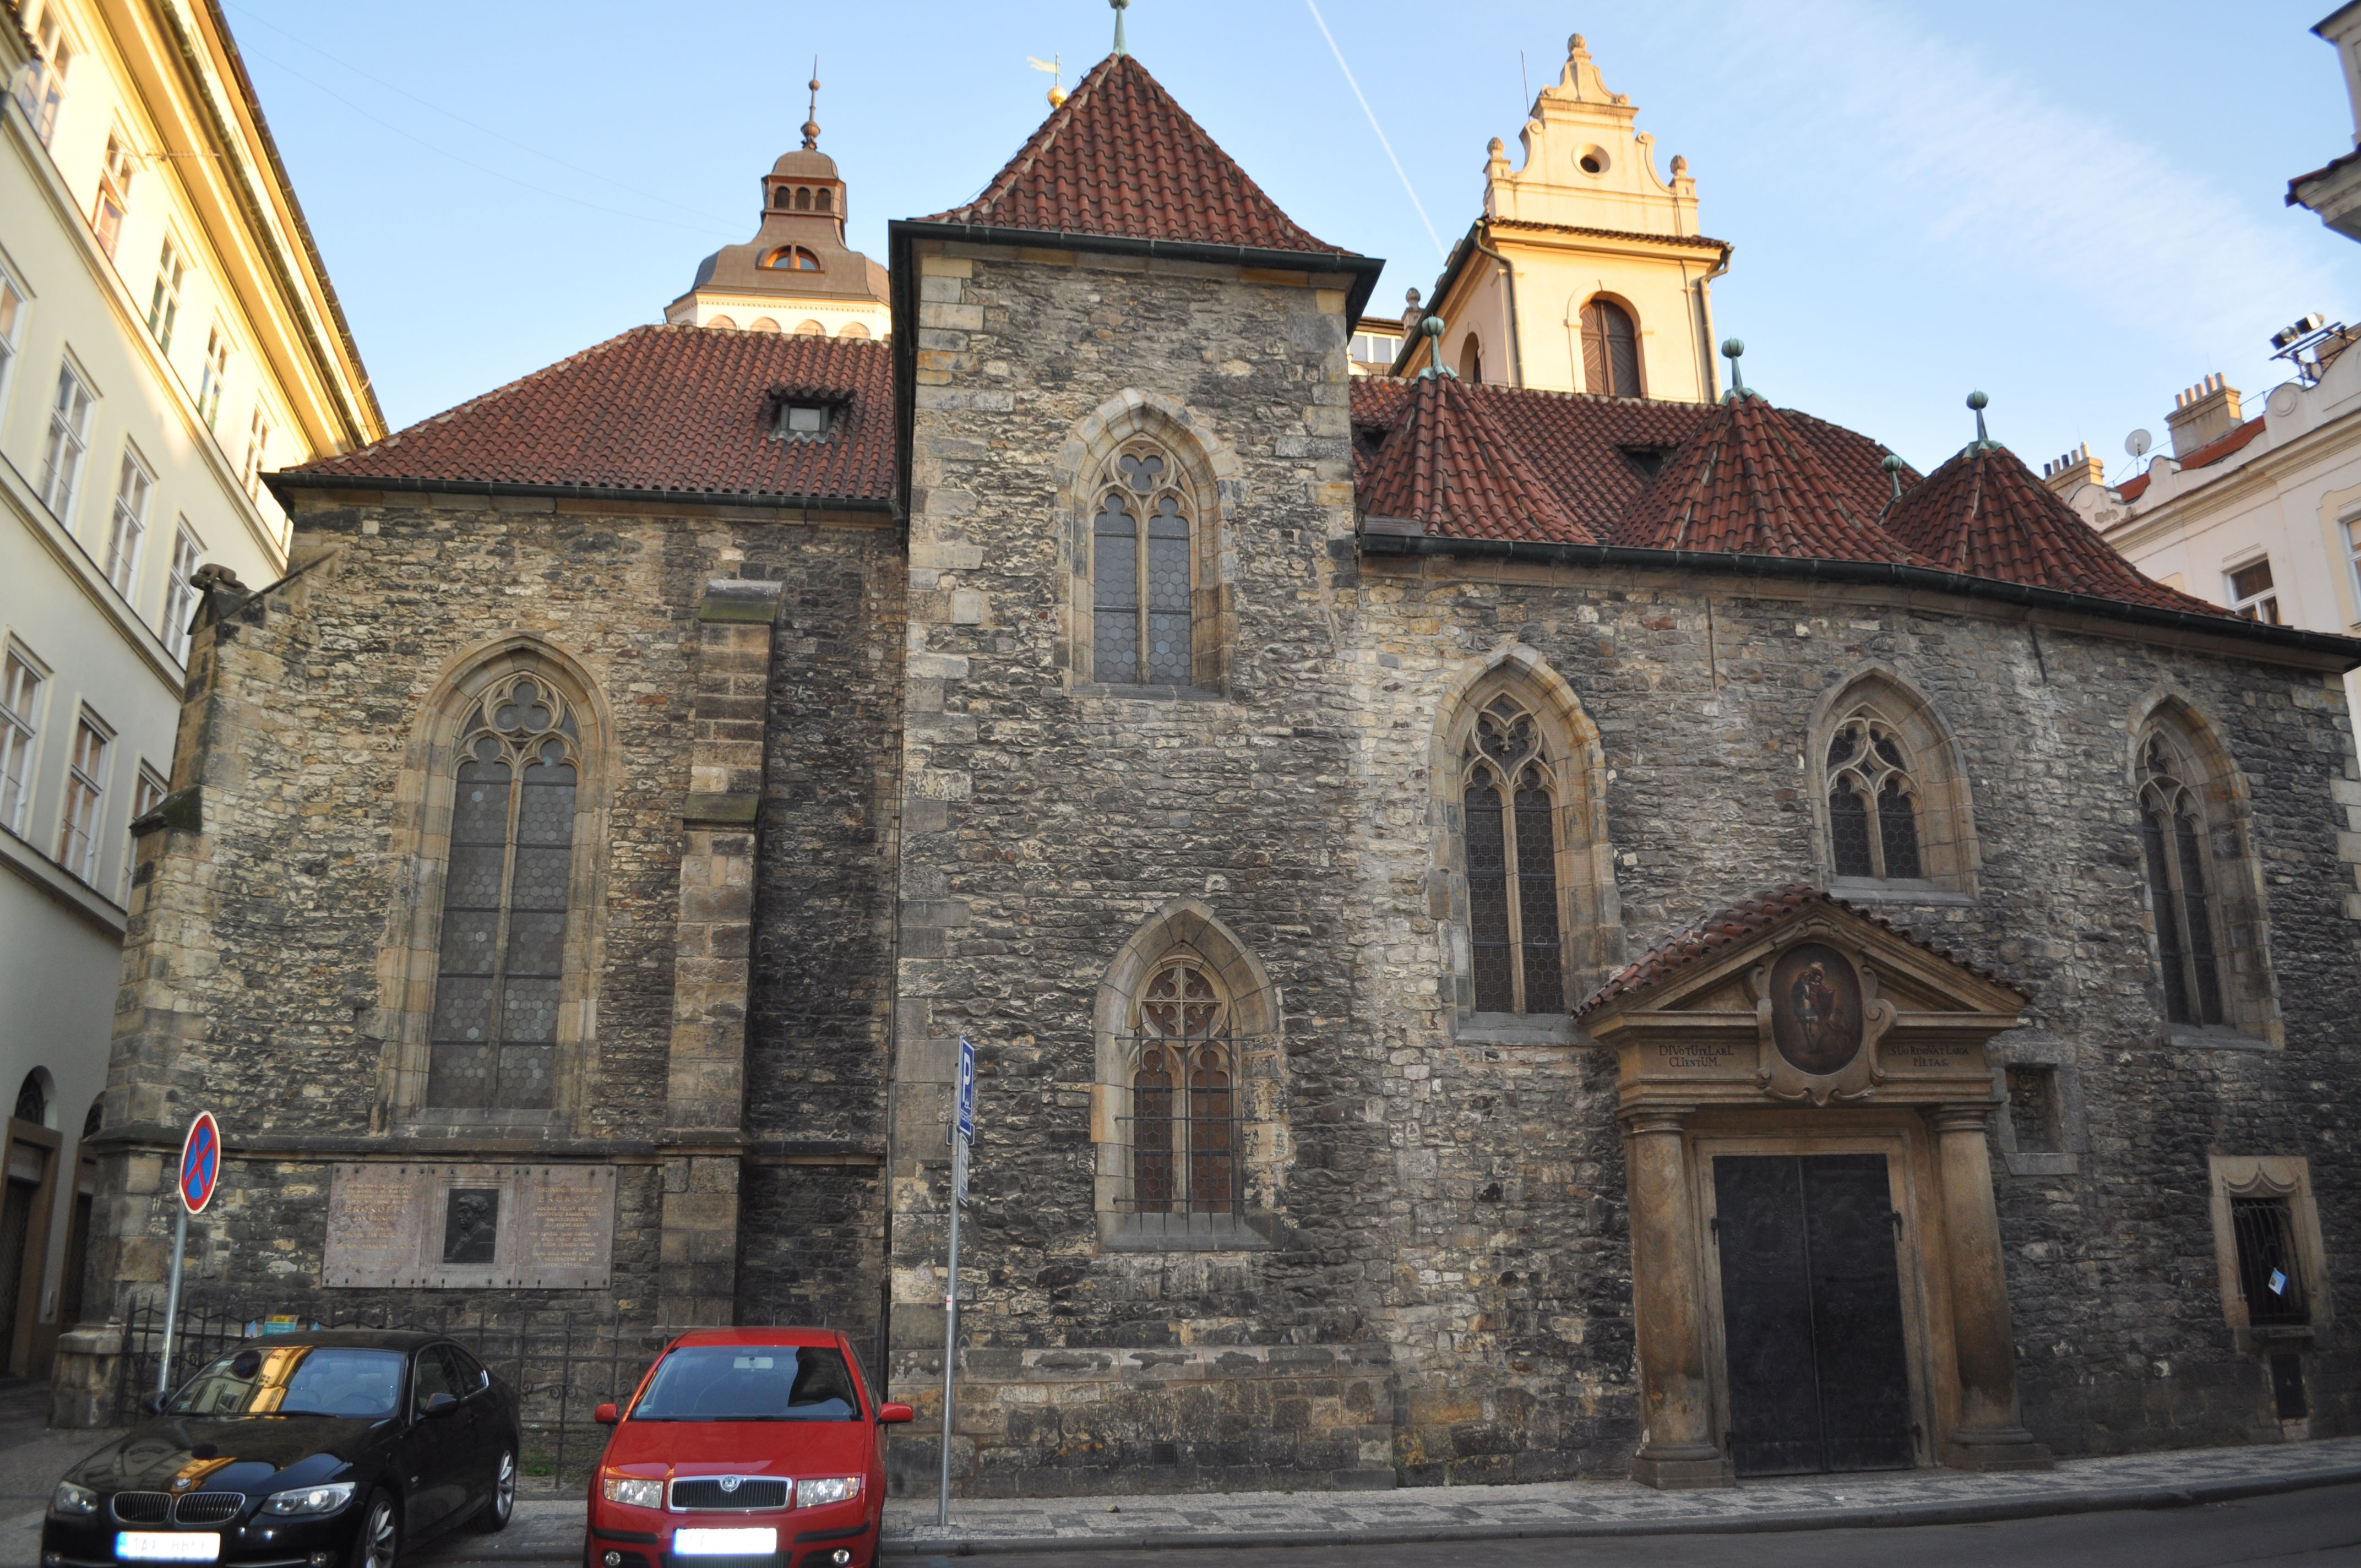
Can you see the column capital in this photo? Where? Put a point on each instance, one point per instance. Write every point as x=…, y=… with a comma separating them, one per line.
x=1640, y=1121
x=1969, y=1118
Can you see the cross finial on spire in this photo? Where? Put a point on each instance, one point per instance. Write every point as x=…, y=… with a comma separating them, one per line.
x=1120, y=6
x=811, y=115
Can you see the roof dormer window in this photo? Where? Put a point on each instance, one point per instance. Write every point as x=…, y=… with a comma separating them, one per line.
x=801, y=419
x=792, y=258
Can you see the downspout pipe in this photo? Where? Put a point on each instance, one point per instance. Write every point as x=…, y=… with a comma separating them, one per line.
x=1712, y=376
x=1516, y=348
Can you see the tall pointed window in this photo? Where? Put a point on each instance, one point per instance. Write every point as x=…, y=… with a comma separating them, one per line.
x=1142, y=573
x=506, y=901
x=2174, y=850
x=1508, y=802
x=1184, y=1112
x=1610, y=350
x=1872, y=802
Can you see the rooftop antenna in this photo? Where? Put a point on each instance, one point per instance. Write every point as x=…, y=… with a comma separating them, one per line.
x=1056, y=66
x=1120, y=6
x=1978, y=402
x=1893, y=464
x=1731, y=349
x=811, y=115
x=1433, y=328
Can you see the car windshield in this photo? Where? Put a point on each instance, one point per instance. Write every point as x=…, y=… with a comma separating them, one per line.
x=750, y=1383
x=294, y=1380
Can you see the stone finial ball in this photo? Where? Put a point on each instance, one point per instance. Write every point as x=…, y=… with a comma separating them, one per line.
x=1731, y=347
x=1411, y=295
x=1432, y=326
x=1978, y=401
x=1499, y=147
x=1574, y=44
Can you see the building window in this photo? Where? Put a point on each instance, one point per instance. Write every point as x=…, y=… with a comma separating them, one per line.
x=164, y=301
x=114, y=198
x=507, y=893
x=2271, y=1275
x=85, y=795
x=792, y=258
x=2272, y=1266
x=1184, y=1120
x=1873, y=803
x=1471, y=361
x=181, y=591
x=20, y=712
x=823, y=201
x=1610, y=350
x=853, y=330
x=69, y=440
x=1509, y=804
x=1143, y=573
x=12, y=321
x=258, y=444
x=146, y=794
x=212, y=374
x=2252, y=594
x=2175, y=848
x=810, y=329
x=801, y=422
x=41, y=88
x=2033, y=1110
x=132, y=488
x=2351, y=560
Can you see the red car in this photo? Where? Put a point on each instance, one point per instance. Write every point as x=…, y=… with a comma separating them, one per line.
x=744, y=1447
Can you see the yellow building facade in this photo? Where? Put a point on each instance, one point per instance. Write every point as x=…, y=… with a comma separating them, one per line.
x=1586, y=272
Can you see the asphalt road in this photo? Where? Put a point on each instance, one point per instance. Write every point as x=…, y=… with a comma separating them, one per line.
x=2316, y=1529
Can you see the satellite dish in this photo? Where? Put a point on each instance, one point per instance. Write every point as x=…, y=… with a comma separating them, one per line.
x=2138, y=442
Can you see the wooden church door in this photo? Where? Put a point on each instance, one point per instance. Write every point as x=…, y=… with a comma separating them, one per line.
x=1812, y=1314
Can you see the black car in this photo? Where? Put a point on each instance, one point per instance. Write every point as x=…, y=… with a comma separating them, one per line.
x=331, y=1449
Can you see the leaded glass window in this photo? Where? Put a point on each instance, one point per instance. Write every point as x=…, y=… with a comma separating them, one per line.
x=506, y=892
x=1509, y=805
x=1184, y=1124
x=1142, y=573
x=2174, y=850
x=1872, y=802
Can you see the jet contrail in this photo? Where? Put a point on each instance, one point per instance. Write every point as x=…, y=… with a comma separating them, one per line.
x=1374, y=125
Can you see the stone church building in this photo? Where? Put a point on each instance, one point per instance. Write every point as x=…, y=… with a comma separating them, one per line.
x=1508, y=933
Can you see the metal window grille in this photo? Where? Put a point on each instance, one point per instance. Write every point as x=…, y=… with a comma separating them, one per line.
x=2269, y=1276
x=1183, y=1133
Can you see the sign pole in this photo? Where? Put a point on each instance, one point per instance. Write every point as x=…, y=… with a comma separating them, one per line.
x=200, y=1175
x=962, y=1132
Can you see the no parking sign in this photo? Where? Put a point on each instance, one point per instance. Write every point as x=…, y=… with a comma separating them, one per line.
x=201, y=1163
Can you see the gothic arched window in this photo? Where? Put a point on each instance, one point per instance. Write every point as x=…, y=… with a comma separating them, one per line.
x=506, y=901
x=1143, y=562
x=1872, y=802
x=1610, y=350
x=1507, y=799
x=1184, y=1113
x=2174, y=849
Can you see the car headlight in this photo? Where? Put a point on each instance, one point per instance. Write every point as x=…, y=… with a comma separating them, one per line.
x=70, y=1498
x=632, y=1491
x=828, y=1489
x=325, y=1499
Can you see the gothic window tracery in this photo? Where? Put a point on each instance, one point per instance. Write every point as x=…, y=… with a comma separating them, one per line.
x=2174, y=850
x=1142, y=566
x=1507, y=799
x=1873, y=800
x=1184, y=1137
x=506, y=893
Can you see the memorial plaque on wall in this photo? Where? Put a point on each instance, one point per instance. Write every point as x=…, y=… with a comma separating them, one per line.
x=470, y=1227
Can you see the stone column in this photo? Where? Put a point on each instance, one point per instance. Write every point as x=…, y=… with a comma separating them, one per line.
x=705, y=1108
x=1989, y=1436
x=1675, y=1403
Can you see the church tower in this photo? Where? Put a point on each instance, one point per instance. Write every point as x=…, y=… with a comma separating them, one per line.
x=1585, y=272
x=796, y=275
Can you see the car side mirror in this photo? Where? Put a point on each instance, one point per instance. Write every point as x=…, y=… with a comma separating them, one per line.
x=440, y=1404
x=606, y=1415
x=888, y=1415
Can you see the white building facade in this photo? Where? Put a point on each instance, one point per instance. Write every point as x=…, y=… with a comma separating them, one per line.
x=167, y=335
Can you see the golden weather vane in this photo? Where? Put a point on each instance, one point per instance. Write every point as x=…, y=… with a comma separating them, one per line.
x=1055, y=65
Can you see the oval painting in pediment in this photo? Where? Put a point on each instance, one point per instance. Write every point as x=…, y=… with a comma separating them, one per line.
x=1816, y=1008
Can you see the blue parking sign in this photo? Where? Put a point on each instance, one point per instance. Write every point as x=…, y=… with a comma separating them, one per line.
x=966, y=1091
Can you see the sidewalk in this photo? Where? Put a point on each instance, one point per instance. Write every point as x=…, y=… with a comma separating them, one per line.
x=551, y=1531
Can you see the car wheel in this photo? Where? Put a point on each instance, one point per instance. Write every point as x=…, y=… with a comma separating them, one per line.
x=380, y=1534
x=498, y=1507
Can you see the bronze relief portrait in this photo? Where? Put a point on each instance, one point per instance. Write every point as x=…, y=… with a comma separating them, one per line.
x=1816, y=1011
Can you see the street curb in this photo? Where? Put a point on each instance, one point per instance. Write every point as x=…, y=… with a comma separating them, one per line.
x=1892, y=1517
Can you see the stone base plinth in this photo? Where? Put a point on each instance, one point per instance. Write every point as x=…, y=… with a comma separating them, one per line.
x=1682, y=1467
x=1992, y=1451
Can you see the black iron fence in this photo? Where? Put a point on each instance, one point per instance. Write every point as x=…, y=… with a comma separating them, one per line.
x=563, y=1364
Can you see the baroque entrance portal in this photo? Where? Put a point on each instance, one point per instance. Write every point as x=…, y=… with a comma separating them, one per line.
x=1811, y=1308
x=1816, y=1257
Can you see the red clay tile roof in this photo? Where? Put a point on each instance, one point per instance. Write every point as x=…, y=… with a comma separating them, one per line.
x=1984, y=514
x=659, y=409
x=2222, y=446
x=2133, y=488
x=1748, y=482
x=1449, y=467
x=1120, y=158
x=1746, y=919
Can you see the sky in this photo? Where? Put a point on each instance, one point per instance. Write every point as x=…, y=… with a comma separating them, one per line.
x=2077, y=208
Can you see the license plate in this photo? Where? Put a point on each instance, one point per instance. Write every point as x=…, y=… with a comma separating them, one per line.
x=158, y=1546
x=747, y=1542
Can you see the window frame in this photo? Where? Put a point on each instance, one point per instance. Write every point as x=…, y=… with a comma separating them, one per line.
x=257, y=441
x=1602, y=302
x=111, y=204
x=148, y=789
x=164, y=299
x=2208, y=781
x=1187, y=1160
x=2285, y=1177
x=2263, y=604
x=212, y=374
x=2350, y=527
x=1531, y=759
x=21, y=732
x=1169, y=482
x=52, y=35
x=181, y=590
x=12, y=327
x=83, y=813
x=1943, y=816
x=126, y=529
x=61, y=481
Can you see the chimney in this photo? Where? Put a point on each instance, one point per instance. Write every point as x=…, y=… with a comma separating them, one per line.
x=2075, y=467
x=2206, y=412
